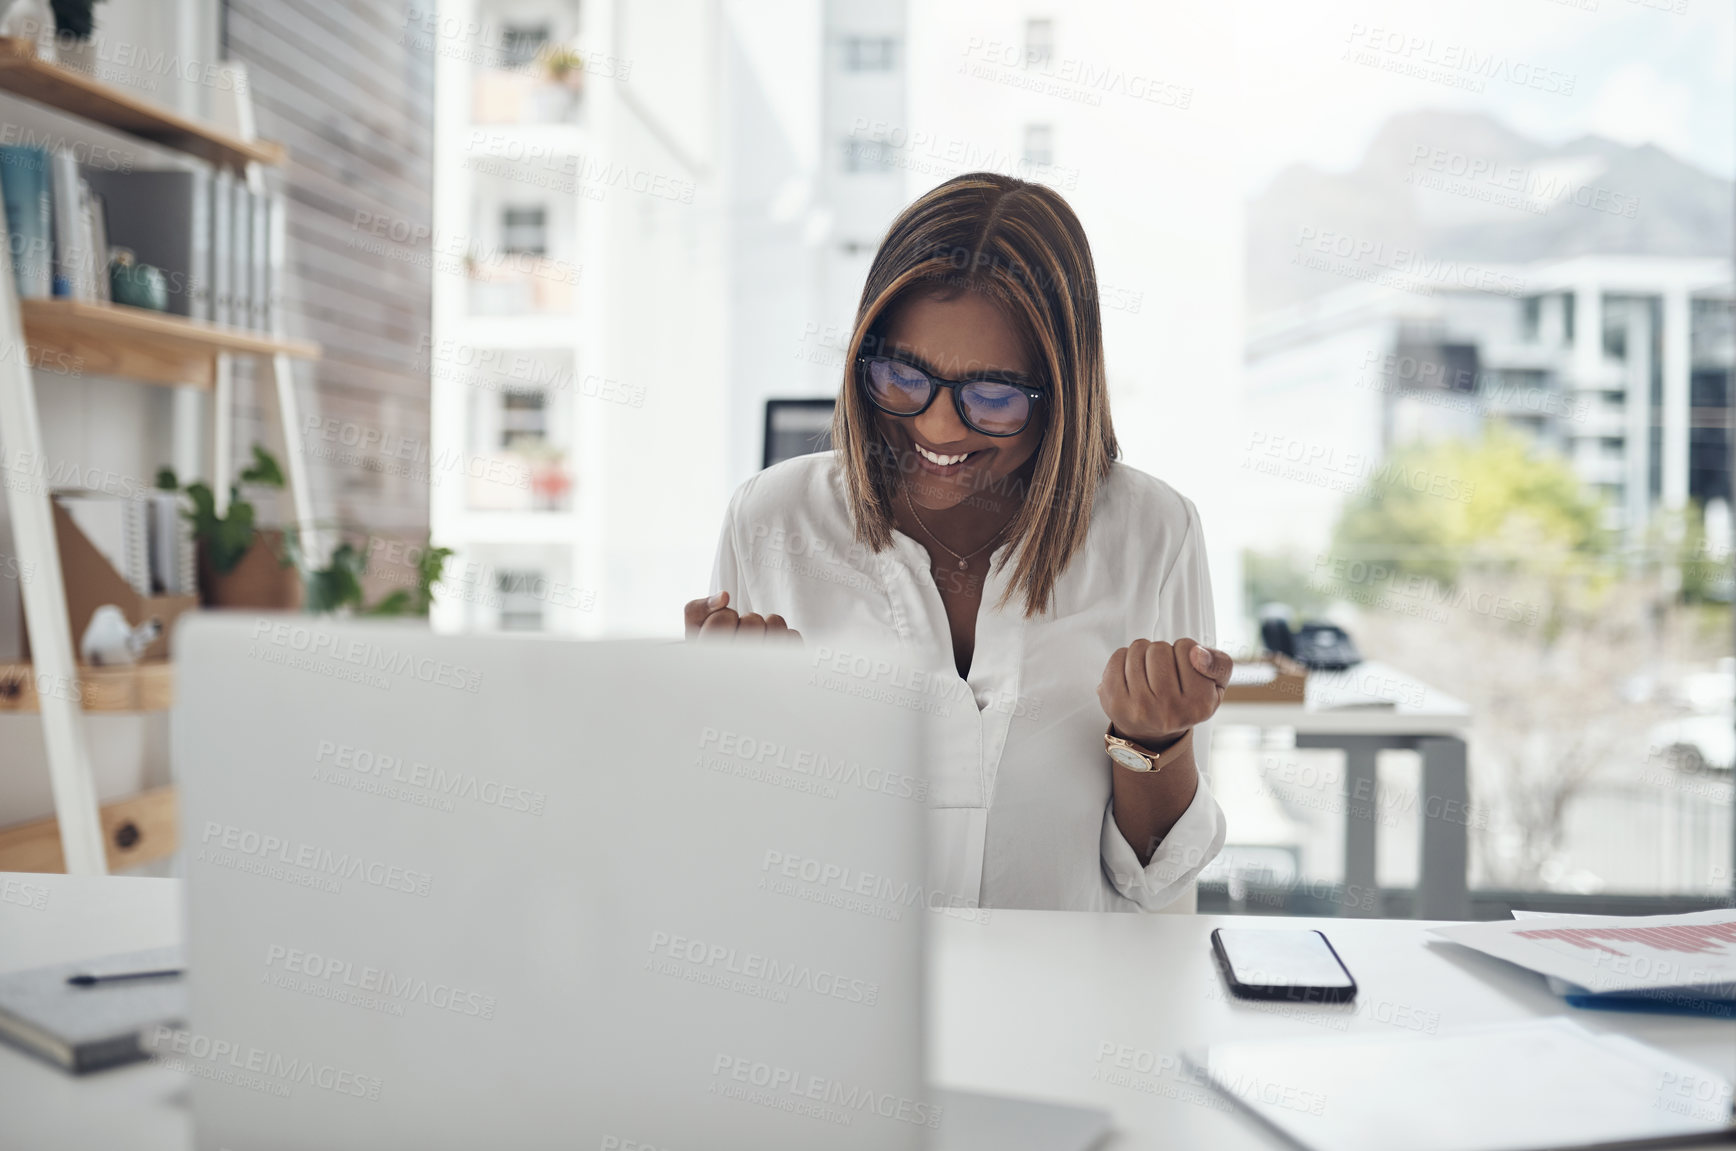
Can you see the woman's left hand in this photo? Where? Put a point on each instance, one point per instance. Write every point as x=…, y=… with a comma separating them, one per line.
x=1153, y=692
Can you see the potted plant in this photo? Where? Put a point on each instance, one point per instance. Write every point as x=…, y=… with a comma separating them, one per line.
x=337, y=587
x=563, y=70
x=240, y=565
x=74, y=26
x=564, y=66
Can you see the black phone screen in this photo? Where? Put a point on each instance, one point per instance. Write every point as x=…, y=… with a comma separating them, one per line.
x=1281, y=963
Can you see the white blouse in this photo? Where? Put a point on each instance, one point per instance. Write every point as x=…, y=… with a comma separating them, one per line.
x=1019, y=794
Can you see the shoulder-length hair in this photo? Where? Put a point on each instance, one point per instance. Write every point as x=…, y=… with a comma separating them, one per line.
x=1020, y=245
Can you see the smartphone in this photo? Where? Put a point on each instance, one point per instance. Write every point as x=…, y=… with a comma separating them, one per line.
x=1282, y=963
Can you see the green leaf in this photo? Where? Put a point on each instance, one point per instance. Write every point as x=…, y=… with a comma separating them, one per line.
x=399, y=602
x=167, y=481
x=339, y=584
x=264, y=470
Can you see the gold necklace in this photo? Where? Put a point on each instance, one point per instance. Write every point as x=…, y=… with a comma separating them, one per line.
x=964, y=560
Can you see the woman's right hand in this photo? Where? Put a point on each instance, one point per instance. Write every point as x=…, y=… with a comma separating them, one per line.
x=714, y=619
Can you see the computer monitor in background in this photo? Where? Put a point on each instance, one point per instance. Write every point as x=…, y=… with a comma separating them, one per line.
x=797, y=428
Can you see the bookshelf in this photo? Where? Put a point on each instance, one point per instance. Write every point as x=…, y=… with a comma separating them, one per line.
x=65, y=90
x=153, y=347
x=148, y=686
x=84, y=836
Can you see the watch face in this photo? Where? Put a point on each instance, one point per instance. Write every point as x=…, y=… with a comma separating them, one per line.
x=1129, y=758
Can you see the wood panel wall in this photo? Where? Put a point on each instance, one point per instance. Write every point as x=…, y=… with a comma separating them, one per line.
x=348, y=86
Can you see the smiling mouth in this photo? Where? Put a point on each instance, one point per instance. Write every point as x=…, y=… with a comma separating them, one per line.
x=939, y=460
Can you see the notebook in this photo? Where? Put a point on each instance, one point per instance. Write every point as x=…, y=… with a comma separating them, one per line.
x=89, y=1028
x=118, y=527
x=1542, y=1083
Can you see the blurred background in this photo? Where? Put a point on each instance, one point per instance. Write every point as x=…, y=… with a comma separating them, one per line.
x=1427, y=307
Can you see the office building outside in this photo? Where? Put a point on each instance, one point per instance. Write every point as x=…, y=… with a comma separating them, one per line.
x=1620, y=364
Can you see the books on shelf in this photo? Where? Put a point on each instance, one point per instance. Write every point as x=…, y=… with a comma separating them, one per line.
x=241, y=255
x=222, y=272
x=26, y=191
x=163, y=217
x=174, y=560
x=218, y=243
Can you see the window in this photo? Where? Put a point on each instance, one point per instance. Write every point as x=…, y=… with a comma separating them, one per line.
x=1529, y=315
x=521, y=44
x=870, y=53
x=524, y=231
x=1039, y=145
x=524, y=419
x=1039, y=41
x=1552, y=489
x=867, y=155
x=521, y=609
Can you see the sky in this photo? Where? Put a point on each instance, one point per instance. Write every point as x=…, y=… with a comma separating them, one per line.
x=1317, y=79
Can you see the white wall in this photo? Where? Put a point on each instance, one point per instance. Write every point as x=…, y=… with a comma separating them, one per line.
x=1157, y=188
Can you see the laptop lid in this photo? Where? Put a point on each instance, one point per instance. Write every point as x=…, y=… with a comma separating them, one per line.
x=508, y=891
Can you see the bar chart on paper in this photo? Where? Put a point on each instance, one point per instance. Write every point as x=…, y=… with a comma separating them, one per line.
x=1617, y=955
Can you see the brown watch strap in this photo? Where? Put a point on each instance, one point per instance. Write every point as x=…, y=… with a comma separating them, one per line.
x=1162, y=759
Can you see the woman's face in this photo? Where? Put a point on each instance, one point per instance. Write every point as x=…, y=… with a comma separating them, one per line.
x=956, y=338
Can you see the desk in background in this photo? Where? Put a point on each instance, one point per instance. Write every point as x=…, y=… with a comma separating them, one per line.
x=1420, y=719
x=1058, y=1005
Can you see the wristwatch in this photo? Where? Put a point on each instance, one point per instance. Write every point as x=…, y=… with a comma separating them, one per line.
x=1136, y=758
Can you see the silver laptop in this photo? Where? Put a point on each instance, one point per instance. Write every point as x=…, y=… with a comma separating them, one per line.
x=457, y=892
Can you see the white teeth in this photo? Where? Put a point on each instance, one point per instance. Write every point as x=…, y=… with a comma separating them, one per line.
x=933, y=458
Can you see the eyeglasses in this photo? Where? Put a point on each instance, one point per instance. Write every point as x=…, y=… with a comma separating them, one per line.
x=987, y=405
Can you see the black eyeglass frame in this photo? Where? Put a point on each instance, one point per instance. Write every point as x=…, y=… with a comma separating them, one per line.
x=1032, y=392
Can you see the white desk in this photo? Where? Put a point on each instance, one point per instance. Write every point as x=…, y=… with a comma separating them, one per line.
x=1023, y=1004
x=1419, y=718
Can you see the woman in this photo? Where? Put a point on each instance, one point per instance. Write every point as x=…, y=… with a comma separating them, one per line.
x=974, y=518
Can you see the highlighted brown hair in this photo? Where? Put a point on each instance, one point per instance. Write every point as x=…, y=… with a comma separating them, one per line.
x=1020, y=245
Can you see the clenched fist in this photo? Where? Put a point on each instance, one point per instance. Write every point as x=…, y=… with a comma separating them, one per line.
x=1154, y=692
x=714, y=619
